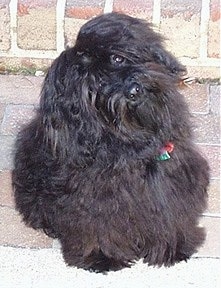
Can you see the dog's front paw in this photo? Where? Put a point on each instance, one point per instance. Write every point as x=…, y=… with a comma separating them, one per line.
x=51, y=233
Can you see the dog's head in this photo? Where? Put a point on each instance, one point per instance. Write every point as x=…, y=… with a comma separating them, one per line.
x=116, y=40
x=118, y=76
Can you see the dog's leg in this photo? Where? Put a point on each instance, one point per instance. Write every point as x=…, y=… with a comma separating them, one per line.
x=81, y=249
x=97, y=261
x=35, y=192
x=176, y=249
x=187, y=246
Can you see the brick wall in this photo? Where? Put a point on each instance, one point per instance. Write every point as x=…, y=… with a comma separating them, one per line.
x=33, y=33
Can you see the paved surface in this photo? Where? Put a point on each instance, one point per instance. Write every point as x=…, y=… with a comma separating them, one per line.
x=44, y=268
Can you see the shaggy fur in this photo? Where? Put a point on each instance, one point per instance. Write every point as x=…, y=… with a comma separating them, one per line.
x=87, y=168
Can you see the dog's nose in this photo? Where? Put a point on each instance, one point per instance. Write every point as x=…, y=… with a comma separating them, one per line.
x=134, y=91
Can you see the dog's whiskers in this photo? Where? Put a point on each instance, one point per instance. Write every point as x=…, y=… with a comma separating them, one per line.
x=113, y=103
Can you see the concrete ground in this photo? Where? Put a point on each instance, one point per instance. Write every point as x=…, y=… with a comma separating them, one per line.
x=45, y=268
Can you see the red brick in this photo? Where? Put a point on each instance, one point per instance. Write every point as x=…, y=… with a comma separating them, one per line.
x=2, y=111
x=204, y=72
x=36, y=25
x=72, y=27
x=20, y=89
x=4, y=26
x=214, y=99
x=15, y=117
x=183, y=35
x=83, y=12
x=6, y=195
x=84, y=9
x=83, y=3
x=214, y=196
x=18, y=65
x=22, y=9
x=214, y=30
x=25, y=5
x=6, y=150
x=214, y=39
x=207, y=128
x=214, y=10
x=212, y=154
x=15, y=233
x=140, y=8
x=4, y=3
x=197, y=97
x=211, y=247
x=185, y=9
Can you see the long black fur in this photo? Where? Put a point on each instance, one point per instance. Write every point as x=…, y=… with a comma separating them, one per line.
x=86, y=168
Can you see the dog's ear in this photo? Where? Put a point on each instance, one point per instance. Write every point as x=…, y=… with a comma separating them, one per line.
x=52, y=96
x=53, y=87
x=163, y=57
x=65, y=96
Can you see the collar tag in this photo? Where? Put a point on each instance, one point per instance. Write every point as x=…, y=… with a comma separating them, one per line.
x=163, y=156
x=164, y=153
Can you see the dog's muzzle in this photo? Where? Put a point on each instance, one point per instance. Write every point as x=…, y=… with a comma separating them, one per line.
x=133, y=92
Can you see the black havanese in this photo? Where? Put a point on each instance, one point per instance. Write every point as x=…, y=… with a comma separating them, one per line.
x=108, y=165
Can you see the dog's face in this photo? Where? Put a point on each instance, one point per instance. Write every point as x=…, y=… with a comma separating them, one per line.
x=120, y=72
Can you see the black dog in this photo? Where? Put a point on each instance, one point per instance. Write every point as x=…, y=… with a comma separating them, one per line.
x=108, y=165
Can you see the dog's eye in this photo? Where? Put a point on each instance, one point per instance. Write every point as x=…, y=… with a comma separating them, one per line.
x=117, y=59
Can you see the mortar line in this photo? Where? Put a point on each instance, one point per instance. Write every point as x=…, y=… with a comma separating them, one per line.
x=204, y=20
x=211, y=215
x=208, y=144
x=108, y=6
x=60, y=13
x=200, y=62
x=51, y=54
x=38, y=54
x=156, y=12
